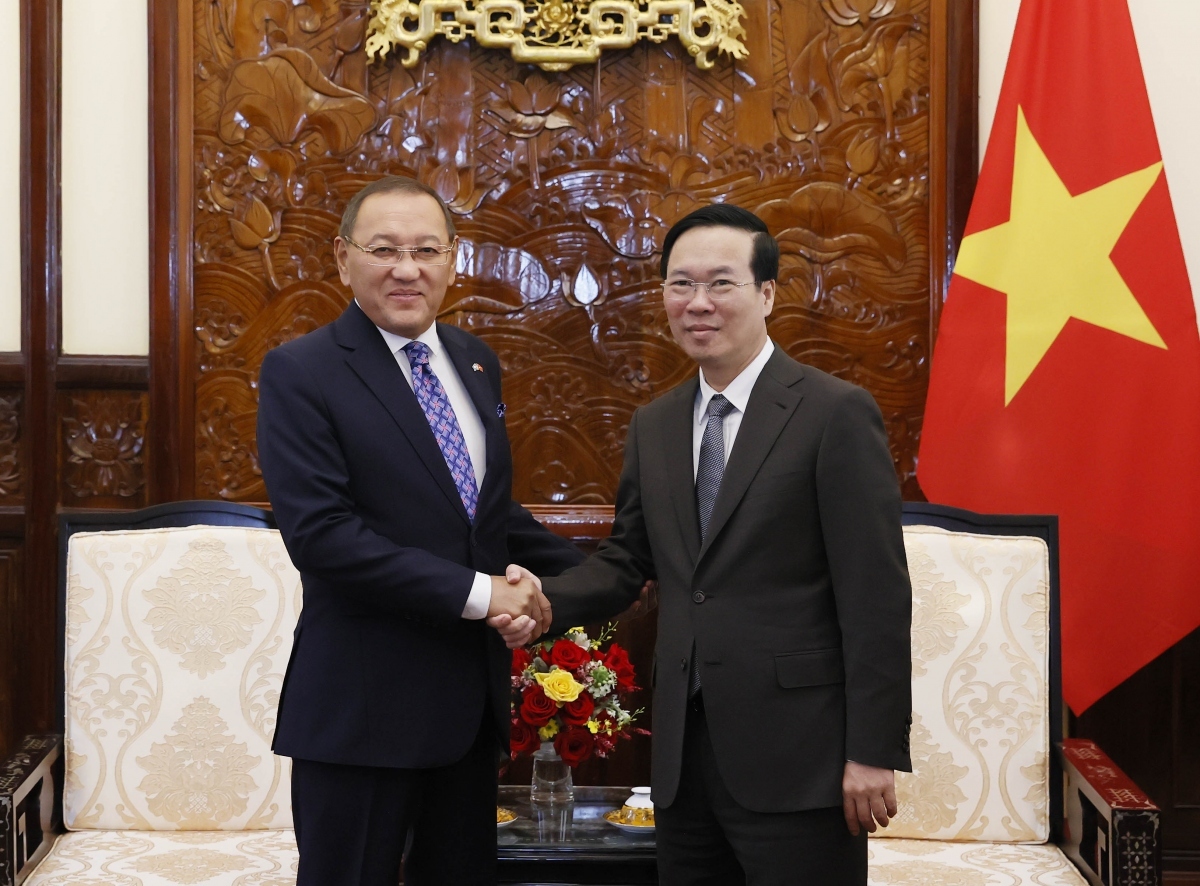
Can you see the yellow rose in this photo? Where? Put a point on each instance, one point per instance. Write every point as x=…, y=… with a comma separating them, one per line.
x=560, y=686
x=548, y=731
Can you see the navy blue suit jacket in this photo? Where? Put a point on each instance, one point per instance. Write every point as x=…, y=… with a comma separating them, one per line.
x=385, y=671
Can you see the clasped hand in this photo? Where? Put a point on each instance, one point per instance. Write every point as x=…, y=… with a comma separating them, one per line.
x=521, y=613
x=518, y=610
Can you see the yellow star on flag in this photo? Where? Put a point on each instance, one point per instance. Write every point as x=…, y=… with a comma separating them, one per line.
x=1051, y=258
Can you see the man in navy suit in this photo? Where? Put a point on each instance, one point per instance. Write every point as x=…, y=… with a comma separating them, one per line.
x=382, y=443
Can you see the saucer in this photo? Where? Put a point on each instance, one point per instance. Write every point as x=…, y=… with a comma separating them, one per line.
x=504, y=817
x=611, y=818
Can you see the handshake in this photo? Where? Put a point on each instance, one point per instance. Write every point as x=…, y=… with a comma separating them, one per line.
x=521, y=613
x=519, y=610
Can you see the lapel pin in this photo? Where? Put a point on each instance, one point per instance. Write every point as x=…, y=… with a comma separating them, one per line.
x=500, y=408
x=476, y=367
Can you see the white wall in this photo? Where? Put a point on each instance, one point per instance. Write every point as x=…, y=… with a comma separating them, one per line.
x=1166, y=32
x=10, y=176
x=105, y=172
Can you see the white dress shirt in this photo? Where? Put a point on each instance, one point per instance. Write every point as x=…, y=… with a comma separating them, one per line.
x=737, y=392
x=473, y=433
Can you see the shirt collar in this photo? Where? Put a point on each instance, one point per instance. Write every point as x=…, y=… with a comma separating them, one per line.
x=737, y=391
x=396, y=343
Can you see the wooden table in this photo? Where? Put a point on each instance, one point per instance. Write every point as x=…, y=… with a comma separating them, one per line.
x=572, y=843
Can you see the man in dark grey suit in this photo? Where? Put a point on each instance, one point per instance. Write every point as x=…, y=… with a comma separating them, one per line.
x=762, y=495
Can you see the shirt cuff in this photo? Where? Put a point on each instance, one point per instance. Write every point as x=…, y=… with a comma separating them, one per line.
x=480, y=598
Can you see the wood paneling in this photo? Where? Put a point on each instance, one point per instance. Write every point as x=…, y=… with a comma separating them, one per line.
x=103, y=440
x=12, y=488
x=1150, y=726
x=564, y=185
x=34, y=616
x=128, y=373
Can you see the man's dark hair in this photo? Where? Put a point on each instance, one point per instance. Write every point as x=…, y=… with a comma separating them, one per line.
x=764, y=260
x=388, y=184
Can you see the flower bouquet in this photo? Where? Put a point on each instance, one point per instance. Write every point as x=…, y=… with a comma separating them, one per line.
x=571, y=692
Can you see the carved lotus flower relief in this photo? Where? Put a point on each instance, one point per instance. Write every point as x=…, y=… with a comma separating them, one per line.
x=853, y=12
x=198, y=776
x=205, y=609
x=556, y=15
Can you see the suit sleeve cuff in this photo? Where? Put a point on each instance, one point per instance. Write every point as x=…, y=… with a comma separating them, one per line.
x=480, y=598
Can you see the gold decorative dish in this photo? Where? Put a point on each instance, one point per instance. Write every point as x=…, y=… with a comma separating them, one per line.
x=631, y=819
x=504, y=816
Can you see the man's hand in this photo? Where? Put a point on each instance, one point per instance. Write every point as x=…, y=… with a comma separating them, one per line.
x=519, y=631
x=868, y=796
x=519, y=610
x=645, y=602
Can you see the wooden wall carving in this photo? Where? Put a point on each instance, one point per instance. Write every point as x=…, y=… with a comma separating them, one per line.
x=103, y=440
x=10, y=448
x=564, y=185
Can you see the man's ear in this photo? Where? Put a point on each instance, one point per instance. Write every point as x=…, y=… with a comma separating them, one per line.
x=341, y=253
x=768, y=291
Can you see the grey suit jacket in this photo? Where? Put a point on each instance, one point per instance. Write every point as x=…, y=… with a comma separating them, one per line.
x=797, y=605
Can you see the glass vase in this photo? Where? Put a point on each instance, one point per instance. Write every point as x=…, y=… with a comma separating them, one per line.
x=551, y=777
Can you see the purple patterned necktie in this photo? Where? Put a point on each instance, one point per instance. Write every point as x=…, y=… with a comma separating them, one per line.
x=442, y=421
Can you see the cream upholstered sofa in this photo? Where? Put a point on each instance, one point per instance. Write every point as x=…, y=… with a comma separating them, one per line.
x=176, y=640
x=984, y=803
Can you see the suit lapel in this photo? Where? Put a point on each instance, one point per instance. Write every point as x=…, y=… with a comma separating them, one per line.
x=376, y=366
x=772, y=402
x=480, y=391
x=675, y=447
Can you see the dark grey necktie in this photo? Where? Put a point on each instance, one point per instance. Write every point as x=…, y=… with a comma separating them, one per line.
x=711, y=466
x=709, y=471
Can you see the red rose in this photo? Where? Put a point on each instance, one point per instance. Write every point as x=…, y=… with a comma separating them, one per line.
x=578, y=711
x=521, y=660
x=617, y=661
x=524, y=738
x=536, y=707
x=569, y=655
x=574, y=745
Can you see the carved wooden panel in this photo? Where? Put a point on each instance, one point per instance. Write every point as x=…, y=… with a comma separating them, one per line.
x=11, y=491
x=103, y=437
x=564, y=185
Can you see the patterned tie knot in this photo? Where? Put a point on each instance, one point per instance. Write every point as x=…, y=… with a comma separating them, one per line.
x=418, y=354
x=719, y=407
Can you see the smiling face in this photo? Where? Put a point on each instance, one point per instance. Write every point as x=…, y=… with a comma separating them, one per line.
x=403, y=299
x=722, y=336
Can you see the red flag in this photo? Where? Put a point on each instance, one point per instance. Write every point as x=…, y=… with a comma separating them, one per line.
x=1066, y=375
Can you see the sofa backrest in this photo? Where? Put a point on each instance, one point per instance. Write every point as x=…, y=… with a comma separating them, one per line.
x=176, y=644
x=980, y=737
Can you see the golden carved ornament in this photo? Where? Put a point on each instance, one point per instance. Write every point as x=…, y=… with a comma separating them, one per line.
x=556, y=34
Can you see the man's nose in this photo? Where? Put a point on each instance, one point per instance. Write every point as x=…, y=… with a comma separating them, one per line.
x=407, y=268
x=701, y=303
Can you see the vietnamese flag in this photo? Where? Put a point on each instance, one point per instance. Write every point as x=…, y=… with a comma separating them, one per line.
x=1066, y=375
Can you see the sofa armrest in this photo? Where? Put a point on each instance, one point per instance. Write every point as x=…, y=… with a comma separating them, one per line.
x=30, y=805
x=1112, y=827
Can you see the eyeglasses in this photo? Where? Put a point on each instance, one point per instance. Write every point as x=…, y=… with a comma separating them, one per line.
x=683, y=291
x=390, y=256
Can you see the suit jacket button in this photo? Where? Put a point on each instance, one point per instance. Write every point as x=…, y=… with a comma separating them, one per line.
x=698, y=597
x=683, y=664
